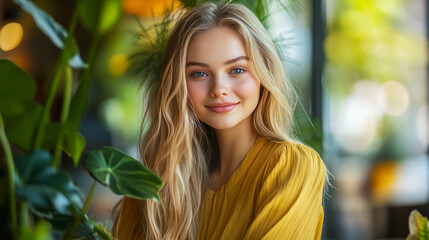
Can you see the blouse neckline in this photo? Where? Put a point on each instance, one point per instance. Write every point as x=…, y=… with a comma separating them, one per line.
x=238, y=173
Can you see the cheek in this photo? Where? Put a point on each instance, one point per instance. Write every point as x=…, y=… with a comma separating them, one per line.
x=249, y=90
x=196, y=92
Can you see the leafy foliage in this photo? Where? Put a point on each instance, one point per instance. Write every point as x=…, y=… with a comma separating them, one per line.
x=308, y=130
x=16, y=88
x=46, y=190
x=54, y=31
x=122, y=174
x=151, y=41
x=34, y=179
x=419, y=226
x=45, y=22
x=72, y=144
x=21, y=136
x=41, y=231
x=62, y=223
x=109, y=12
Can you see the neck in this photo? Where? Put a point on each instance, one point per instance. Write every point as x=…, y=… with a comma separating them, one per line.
x=234, y=143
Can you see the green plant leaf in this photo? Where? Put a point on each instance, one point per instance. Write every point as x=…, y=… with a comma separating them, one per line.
x=45, y=22
x=77, y=62
x=46, y=190
x=122, y=174
x=51, y=136
x=20, y=128
x=71, y=55
x=102, y=13
x=63, y=223
x=42, y=231
x=54, y=31
x=419, y=226
x=17, y=88
x=73, y=144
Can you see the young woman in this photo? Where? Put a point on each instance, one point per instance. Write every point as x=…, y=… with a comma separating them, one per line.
x=220, y=138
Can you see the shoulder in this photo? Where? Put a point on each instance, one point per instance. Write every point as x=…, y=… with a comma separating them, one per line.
x=291, y=170
x=293, y=159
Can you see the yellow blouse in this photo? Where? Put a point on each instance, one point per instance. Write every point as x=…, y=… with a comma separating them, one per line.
x=275, y=193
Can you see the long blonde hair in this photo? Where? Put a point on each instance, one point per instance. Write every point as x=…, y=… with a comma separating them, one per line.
x=181, y=149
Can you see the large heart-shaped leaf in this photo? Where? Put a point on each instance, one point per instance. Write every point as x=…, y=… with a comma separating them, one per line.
x=104, y=13
x=20, y=128
x=46, y=190
x=123, y=174
x=16, y=88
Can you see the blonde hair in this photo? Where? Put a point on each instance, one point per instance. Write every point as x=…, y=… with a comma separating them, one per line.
x=181, y=149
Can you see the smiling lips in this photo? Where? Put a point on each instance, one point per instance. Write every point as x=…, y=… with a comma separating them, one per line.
x=222, y=107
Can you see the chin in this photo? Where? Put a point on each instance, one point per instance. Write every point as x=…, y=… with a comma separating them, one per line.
x=221, y=125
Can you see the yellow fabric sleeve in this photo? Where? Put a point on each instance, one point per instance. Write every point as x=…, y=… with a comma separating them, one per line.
x=289, y=205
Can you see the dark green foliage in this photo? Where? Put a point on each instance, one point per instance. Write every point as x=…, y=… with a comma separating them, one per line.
x=151, y=41
x=122, y=174
x=46, y=190
x=308, y=130
x=45, y=22
x=20, y=128
x=100, y=15
x=17, y=88
x=73, y=143
x=41, y=231
x=55, y=32
x=62, y=223
x=34, y=180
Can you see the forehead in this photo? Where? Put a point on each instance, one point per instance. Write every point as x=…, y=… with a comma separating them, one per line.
x=215, y=46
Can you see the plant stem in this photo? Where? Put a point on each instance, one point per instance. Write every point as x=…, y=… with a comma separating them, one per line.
x=47, y=108
x=11, y=170
x=24, y=214
x=80, y=98
x=64, y=115
x=77, y=220
x=88, y=199
x=54, y=85
x=101, y=232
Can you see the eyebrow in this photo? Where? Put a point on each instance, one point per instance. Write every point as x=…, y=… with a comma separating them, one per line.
x=225, y=63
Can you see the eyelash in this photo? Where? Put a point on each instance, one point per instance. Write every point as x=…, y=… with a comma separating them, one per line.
x=193, y=75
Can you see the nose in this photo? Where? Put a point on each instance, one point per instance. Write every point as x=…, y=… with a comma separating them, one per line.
x=219, y=87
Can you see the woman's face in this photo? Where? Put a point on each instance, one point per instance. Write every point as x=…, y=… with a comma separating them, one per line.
x=220, y=79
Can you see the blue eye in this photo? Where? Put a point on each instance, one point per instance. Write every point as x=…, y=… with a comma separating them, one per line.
x=238, y=71
x=198, y=74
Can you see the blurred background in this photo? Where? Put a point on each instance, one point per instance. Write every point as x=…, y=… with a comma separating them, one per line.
x=359, y=66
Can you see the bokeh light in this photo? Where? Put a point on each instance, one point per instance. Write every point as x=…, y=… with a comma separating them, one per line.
x=146, y=7
x=113, y=112
x=383, y=180
x=394, y=98
x=10, y=36
x=358, y=117
x=422, y=121
x=118, y=64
